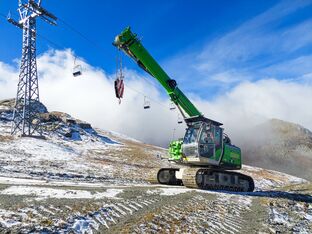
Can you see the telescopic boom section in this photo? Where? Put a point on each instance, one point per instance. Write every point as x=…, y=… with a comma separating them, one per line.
x=131, y=45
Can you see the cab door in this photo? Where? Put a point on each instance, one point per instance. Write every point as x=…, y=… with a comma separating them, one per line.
x=206, y=143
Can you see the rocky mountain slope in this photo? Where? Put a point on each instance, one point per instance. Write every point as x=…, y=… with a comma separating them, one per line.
x=281, y=146
x=85, y=180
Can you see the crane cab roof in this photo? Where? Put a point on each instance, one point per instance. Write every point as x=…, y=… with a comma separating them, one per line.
x=191, y=120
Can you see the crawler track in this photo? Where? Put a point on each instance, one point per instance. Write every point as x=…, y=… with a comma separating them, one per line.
x=203, y=178
x=164, y=176
x=211, y=179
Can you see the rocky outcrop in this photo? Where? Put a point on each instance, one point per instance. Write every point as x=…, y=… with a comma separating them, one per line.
x=55, y=121
x=8, y=105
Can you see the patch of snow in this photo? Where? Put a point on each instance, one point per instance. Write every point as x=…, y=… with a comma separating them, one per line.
x=84, y=225
x=110, y=193
x=6, y=219
x=278, y=218
x=98, y=217
x=9, y=223
x=308, y=217
x=25, y=181
x=124, y=137
x=296, y=180
x=279, y=178
x=42, y=193
x=11, y=180
x=31, y=210
x=36, y=150
x=46, y=210
x=169, y=191
x=264, y=184
x=240, y=199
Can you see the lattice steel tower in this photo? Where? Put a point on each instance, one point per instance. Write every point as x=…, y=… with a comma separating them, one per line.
x=26, y=121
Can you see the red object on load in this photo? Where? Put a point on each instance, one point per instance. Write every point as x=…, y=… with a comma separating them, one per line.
x=119, y=88
x=119, y=84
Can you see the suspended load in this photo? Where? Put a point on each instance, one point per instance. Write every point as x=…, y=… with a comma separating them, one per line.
x=119, y=88
x=119, y=84
x=77, y=69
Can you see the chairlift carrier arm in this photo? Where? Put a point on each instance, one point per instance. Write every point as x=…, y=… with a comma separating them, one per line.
x=132, y=46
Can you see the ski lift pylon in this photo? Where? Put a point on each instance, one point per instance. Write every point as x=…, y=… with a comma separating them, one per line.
x=147, y=104
x=77, y=69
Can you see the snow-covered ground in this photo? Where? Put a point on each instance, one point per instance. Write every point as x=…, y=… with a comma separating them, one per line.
x=84, y=180
x=45, y=192
x=85, y=156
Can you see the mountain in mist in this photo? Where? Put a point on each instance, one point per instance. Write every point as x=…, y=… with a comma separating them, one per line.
x=281, y=146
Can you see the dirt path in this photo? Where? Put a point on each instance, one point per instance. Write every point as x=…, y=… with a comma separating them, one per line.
x=26, y=206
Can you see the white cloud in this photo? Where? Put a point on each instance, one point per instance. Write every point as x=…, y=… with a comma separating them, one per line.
x=251, y=103
x=260, y=35
x=8, y=80
x=91, y=97
x=227, y=77
x=293, y=68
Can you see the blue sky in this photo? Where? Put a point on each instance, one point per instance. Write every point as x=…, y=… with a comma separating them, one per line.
x=240, y=62
x=166, y=26
x=216, y=44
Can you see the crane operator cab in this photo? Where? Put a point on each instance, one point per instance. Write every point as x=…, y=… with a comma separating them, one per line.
x=204, y=142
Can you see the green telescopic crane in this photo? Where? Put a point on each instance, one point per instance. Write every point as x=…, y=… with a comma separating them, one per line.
x=205, y=153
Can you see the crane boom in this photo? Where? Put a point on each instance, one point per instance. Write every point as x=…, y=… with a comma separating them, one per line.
x=131, y=45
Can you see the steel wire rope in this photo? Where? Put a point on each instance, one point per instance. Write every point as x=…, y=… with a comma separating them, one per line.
x=97, y=46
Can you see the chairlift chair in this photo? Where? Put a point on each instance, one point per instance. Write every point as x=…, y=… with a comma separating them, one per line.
x=180, y=120
x=172, y=106
x=77, y=70
x=147, y=104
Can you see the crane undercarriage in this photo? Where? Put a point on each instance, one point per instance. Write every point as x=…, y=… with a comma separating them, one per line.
x=202, y=178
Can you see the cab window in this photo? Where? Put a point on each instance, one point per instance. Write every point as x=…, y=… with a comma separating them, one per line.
x=207, y=136
x=190, y=135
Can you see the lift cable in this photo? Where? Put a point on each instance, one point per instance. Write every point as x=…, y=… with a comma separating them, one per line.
x=82, y=35
x=99, y=47
x=179, y=119
x=3, y=15
x=73, y=29
x=51, y=42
